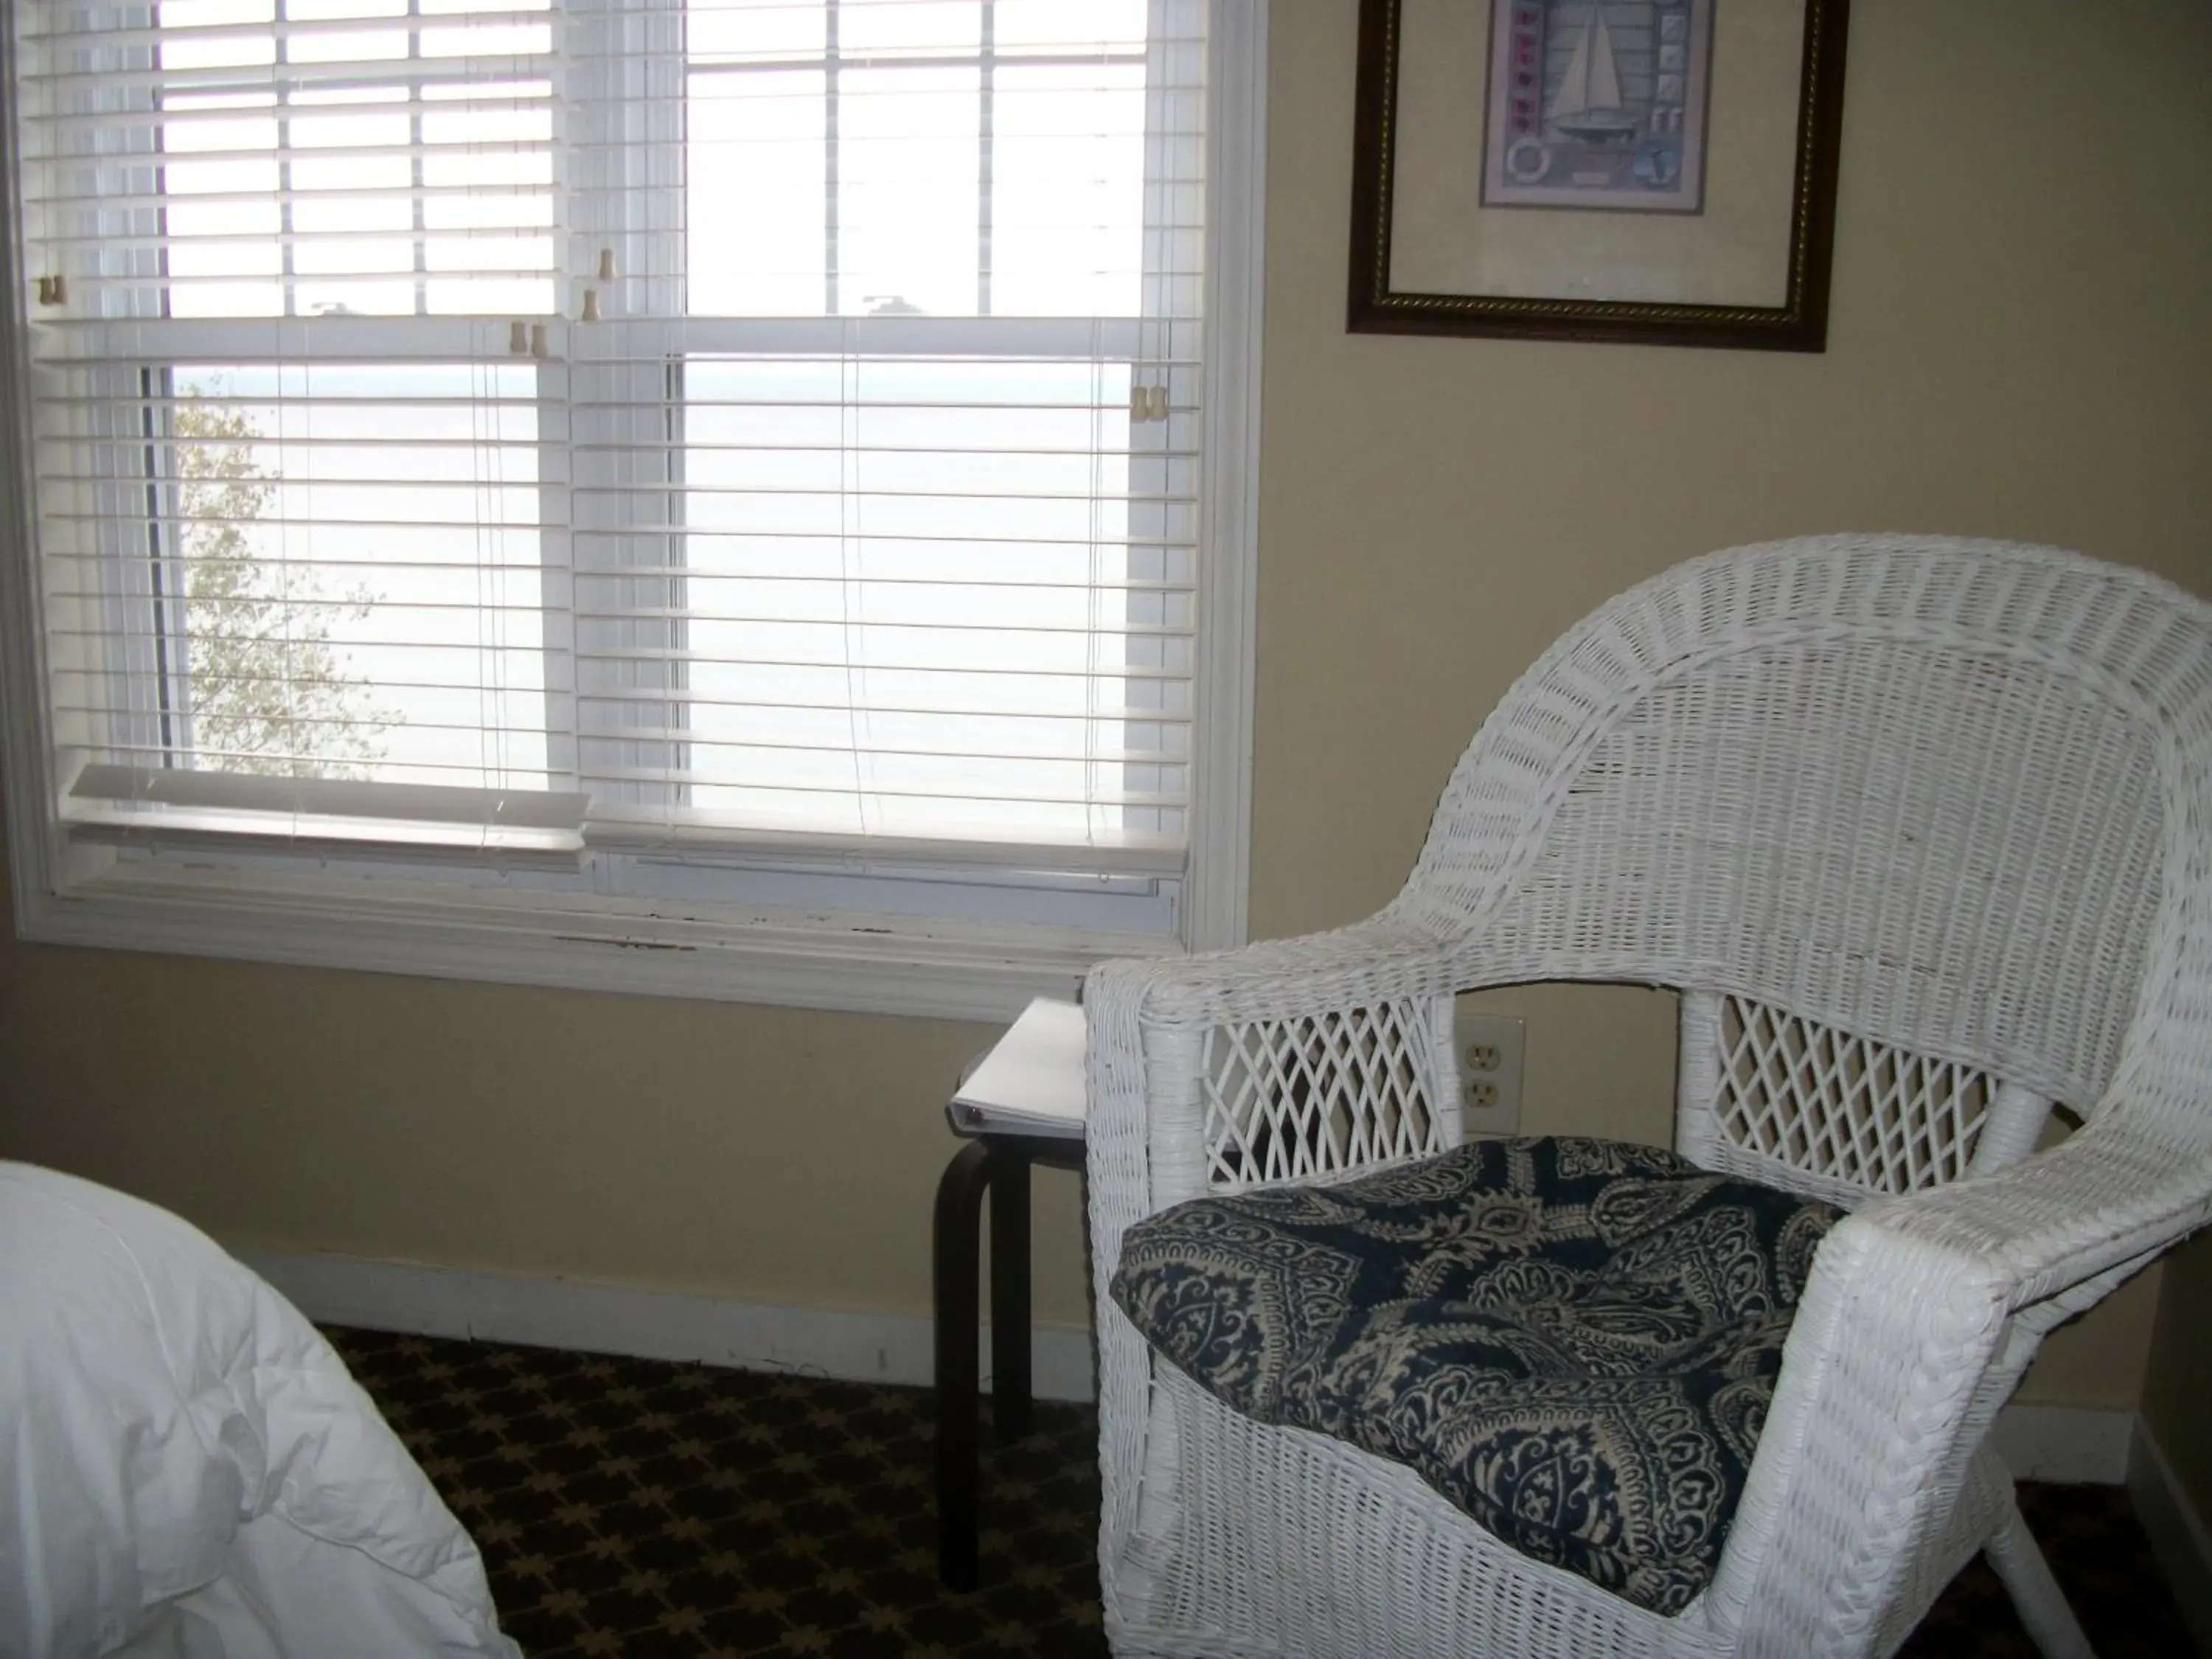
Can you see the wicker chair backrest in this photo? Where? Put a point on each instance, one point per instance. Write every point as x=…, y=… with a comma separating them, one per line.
x=1947, y=801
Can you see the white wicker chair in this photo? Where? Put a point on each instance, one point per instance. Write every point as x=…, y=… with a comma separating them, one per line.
x=1921, y=829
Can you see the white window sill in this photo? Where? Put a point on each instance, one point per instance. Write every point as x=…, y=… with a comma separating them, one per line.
x=786, y=957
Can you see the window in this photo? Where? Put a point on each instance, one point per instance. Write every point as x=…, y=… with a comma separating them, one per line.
x=763, y=484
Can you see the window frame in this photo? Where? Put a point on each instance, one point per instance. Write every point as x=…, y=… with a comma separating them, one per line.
x=760, y=921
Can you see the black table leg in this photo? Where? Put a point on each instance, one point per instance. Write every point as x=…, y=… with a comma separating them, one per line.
x=1000, y=1165
x=955, y=1266
x=1010, y=1291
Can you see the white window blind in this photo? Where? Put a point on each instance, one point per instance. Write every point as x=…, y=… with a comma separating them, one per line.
x=635, y=426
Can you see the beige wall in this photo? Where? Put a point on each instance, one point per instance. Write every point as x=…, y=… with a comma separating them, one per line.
x=2018, y=349
x=2177, y=1398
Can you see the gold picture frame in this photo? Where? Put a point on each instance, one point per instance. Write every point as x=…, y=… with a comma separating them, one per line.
x=1656, y=171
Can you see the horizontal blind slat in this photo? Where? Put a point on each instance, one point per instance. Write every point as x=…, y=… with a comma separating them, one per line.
x=91, y=36
x=688, y=573
x=1041, y=797
x=692, y=739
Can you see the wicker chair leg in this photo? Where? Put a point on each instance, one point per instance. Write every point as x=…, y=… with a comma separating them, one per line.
x=2041, y=1604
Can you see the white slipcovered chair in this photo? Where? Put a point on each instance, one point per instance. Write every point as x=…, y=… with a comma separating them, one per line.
x=1922, y=831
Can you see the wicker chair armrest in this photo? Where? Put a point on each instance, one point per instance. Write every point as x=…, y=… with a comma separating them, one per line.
x=1372, y=961
x=1882, y=1403
x=1868, y=1435
x=1148, y=1023
x=1874, y=1424
x=2110, y=1193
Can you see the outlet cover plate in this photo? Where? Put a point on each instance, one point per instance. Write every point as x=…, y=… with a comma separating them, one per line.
x=1489, y=1097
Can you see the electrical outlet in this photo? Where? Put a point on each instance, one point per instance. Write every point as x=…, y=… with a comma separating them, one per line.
x=1489, y=1049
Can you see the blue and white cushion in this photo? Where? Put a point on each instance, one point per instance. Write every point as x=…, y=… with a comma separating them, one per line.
x=1573, y=1340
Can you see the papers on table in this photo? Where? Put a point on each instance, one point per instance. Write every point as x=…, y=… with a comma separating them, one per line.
x=1032, y=1082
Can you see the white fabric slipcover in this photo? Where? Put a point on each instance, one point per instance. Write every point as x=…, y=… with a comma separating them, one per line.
x=187, y=1469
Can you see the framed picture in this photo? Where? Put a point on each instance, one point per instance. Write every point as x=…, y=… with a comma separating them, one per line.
x=1661, y=170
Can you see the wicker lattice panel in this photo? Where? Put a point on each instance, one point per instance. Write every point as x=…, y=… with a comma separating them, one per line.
x=1308, y=1097
x=1825, y=1101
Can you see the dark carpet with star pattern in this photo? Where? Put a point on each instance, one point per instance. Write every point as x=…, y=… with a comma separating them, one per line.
x=667, y=1511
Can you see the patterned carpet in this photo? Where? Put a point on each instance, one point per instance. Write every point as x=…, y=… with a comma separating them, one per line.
x=632, y=1508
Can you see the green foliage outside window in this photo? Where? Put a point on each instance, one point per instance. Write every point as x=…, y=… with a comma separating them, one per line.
x=267, y=692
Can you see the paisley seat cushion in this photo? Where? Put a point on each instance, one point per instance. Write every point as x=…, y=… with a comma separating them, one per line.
x=1573, y=1340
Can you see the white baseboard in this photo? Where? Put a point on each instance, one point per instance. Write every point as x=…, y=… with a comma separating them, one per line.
x=2071, y=1445
x=562, y=1313
x=2178, y=1536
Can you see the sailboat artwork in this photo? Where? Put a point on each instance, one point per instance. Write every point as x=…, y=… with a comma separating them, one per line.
x=1586, y=105
x=1597, y=104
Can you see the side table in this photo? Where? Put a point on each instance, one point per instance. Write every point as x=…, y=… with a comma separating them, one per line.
x=999, y=1164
